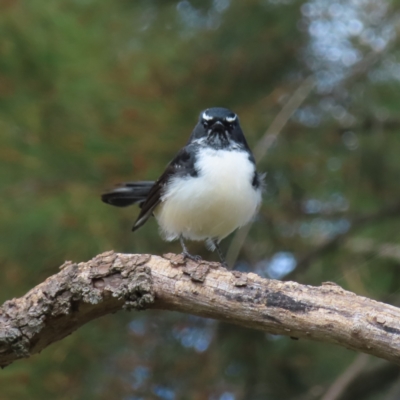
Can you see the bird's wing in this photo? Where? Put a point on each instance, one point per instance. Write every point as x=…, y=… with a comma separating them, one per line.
x=181, y=165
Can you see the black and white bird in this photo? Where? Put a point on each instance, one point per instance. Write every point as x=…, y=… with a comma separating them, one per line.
x=207, y=191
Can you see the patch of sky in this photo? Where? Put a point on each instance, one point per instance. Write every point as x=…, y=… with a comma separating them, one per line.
x=197, y=338
x=133, y=398
x=195, y=19
x=138, y=326
x=341, y=34
x=139, y=375
x=276, y=267
x=227, y=396
x=335, y=203
x=242, y=266
x=322, y=228
x=308, y=116
x=164, y=392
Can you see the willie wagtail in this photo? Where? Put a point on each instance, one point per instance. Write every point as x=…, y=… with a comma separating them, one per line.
x=207, y=191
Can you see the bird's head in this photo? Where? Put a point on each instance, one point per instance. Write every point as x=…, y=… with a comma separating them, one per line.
x=218, y=121
x=218, y=127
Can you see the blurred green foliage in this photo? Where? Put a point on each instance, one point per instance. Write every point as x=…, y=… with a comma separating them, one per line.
x=95, y=93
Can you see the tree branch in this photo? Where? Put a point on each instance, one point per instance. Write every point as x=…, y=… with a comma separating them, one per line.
x=348, y=376
x=110, y=282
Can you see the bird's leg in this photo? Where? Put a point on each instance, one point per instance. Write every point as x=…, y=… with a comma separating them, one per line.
x=219, y=252
x=186, y=253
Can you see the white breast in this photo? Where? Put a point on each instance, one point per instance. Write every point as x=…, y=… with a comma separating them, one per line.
x=213, y=204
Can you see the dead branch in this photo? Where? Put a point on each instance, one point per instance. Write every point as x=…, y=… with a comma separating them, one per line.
x=110, y=282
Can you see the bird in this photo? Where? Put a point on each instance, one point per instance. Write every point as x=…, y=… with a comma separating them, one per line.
x=210, y=188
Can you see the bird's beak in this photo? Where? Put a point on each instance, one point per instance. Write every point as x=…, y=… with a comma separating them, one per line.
x=218, y=127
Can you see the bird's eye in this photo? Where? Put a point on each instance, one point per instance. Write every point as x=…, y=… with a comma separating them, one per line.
x=206, y=124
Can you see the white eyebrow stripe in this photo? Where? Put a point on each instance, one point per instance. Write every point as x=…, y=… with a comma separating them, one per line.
x=231, y=119
x=206, y=116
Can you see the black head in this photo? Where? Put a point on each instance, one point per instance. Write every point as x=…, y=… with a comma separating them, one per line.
x=219, y=127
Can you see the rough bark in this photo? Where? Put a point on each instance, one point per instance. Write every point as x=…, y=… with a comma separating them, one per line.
x=111, y=282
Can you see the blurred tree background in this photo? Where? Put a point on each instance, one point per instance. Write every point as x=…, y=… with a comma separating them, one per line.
x=96, y=93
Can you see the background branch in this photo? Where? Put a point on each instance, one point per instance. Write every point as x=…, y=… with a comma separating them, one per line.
x=340, y=385
x=370, y=382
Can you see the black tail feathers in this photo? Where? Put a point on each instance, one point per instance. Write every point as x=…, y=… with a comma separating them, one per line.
x=127, y=193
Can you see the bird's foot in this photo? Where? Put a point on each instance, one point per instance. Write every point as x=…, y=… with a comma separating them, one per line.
x=186, y=254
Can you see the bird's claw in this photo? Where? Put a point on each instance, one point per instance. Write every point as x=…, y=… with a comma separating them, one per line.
x=191, y=257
